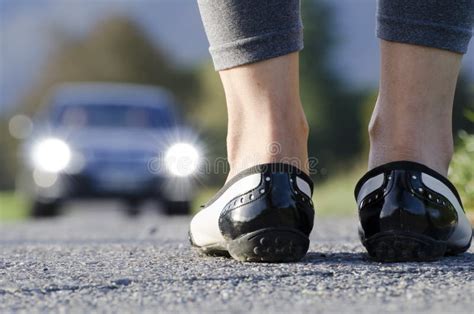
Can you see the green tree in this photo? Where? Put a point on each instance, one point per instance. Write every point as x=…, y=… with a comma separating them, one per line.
x=461, y=171
x=332, y=110
x=210, y=112
x=7, y=157
x=463, y=105
x=116, y=50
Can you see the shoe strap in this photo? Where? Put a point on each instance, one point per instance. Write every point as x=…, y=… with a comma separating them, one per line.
x=268, y=168
x=407, y=166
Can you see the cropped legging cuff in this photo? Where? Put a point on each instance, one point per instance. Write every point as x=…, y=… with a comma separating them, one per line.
x=443, y=24
x=247, y=31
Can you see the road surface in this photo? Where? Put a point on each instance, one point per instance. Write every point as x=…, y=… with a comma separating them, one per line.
x=98, y=260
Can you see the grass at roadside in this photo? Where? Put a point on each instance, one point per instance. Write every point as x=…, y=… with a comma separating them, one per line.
x=12, y=206
x=335, y=197
x=203, y=195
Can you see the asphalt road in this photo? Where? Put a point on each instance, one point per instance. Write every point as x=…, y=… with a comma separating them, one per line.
x=100, y=261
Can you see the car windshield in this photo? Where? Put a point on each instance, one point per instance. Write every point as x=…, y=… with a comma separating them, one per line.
x=113, y=116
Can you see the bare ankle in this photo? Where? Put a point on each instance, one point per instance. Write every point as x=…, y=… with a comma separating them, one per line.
x=266, y=119
x=412, y=117
x=267, y=141
x=393, y=140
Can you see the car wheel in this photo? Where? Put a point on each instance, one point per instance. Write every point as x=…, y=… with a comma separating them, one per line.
x=44, y=210
x=132, y=208
x=177, y=207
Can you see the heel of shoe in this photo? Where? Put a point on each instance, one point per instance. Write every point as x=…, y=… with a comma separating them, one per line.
x=399, y=246
x=270, y=245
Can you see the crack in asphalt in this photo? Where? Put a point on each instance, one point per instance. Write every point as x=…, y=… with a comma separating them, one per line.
x=116, y=284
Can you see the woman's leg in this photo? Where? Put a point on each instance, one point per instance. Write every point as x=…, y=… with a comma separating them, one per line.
x=266, y=120
x=254, y=45
x=264, y=212
x=422, y=43
x=412, y=117
x=408, y=210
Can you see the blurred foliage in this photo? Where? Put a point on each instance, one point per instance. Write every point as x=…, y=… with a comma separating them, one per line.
x=8, y=157
x=332, y=109
x=365, y=114
x=461, y=171
x=210, y=113
x=463, y=110
x=12, y=207
x=117, y=50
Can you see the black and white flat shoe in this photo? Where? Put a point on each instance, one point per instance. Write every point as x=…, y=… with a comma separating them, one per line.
x=264, y=214
x=409, y=212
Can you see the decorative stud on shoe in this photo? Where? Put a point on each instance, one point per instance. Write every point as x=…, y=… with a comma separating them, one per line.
x=409, y=212
x=264, y=214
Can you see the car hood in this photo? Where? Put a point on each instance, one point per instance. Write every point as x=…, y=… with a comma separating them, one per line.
x=119, y=139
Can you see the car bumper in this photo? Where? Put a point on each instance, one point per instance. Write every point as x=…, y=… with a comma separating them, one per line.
x=99, y=185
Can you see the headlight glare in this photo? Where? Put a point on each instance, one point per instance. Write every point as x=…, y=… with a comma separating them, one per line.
x=51, y=155
x=182, y=159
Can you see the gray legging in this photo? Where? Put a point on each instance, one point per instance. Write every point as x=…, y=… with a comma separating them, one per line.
x=245, y=31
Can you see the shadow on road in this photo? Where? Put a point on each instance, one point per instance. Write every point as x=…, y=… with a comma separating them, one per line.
x=355, y=258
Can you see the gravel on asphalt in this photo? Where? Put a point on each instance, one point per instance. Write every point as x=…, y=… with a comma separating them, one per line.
x=102, y=261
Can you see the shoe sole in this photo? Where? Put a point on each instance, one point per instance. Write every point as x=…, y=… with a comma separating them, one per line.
x=270, y=245
x=397, y=246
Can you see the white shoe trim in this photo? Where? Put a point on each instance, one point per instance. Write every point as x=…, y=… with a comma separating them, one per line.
x=205, y=225
x=369, y=186
x=464, y=226
x=303, y=186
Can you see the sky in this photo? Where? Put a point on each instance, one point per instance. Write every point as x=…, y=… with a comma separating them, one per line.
x=25, y=36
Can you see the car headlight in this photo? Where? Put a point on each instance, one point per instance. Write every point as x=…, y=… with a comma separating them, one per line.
x=51, y=155
x=182, y=159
